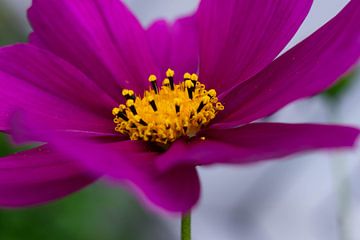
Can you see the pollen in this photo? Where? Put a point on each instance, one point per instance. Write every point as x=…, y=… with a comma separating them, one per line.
x=168, y=111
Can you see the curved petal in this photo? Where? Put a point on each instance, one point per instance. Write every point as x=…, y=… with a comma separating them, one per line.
x=307, y=69
x=100, y=37
x=159, y=37
x=49, y=73
x=240, y=38
x=19, y=97
x=35, y=82
x=38, y=176
x=177, y=190
x=256, y=142
x=175, y=46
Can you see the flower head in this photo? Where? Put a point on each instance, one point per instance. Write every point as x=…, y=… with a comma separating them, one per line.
x=147, y=106
x=166, y=114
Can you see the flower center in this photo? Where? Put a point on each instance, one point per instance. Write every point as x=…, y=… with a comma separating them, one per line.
x=164, y=114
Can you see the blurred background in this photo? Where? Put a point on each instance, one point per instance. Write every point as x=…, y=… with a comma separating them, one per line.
x=310, y=196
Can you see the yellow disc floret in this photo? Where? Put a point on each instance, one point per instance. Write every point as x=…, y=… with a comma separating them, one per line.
x=164, y=114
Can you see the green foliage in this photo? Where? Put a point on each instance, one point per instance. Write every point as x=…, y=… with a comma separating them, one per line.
x=5, y=146
x=10, y=29
x=340, y=87
x=96, y=213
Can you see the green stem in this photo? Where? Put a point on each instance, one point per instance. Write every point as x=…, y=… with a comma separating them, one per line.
x=186, y=226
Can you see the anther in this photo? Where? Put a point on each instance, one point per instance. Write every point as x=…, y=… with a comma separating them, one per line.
x=123, y=116
x=141, y=121
x=128, y=94
x=203, y=103
x=194, y=78
x=189, y=86
x=170, y=75
x=115, y=111
x=166, y=82
x=177, y=105
x=152, y=80
x=152, y=103
x=187, y=76
x=131, y=105
x=212, y=93
x=120, y=113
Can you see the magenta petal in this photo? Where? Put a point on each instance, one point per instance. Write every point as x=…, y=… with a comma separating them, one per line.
x=42, y=107
x=307, y=69
x=49, y=73
x=256, y=142
x=36, y=83
x=130, y=162
x=240, y=38
x=175, y=46
x=159, y=37
x=38, y=176
x=176, y=190
x=35, y=40
x=100, y=37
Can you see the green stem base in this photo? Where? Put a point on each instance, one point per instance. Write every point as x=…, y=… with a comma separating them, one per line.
x=186, y=226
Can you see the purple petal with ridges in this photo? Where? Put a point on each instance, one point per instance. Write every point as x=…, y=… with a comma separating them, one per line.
x=126, y=161
x=159, y=37
x=39, y=106
x=240, y=38
x=256, y=142
x=175, y=46
x=48, y=73
x=176, y=190
x=307, y=69
x=38, y=176
x=100, y=37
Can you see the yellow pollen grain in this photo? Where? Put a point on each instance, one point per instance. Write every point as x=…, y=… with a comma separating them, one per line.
x=130, y=103
x=166, y=82
x=194, y=77
x=170, y=73
x=152, y=78
x=125, y=92
x=168, y=114
x=187, y=76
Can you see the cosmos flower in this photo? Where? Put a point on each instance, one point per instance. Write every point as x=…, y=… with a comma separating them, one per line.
x=146, y=107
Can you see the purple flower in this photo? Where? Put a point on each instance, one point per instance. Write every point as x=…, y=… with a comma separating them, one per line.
x=65, y=89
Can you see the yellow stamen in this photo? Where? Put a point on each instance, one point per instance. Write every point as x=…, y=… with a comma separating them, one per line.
x=166, y=82
x=152, y=78
x=187, y=76
x=170, y=73
x=163, y=115
x=194, y=77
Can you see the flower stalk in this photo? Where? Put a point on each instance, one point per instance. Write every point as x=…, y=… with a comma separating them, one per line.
x=186, y=226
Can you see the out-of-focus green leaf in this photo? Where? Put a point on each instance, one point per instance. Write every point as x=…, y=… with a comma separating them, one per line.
x=340, y=87
x=97, y=212
x=10, y=29
x=7, y=148
x=10, y=32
